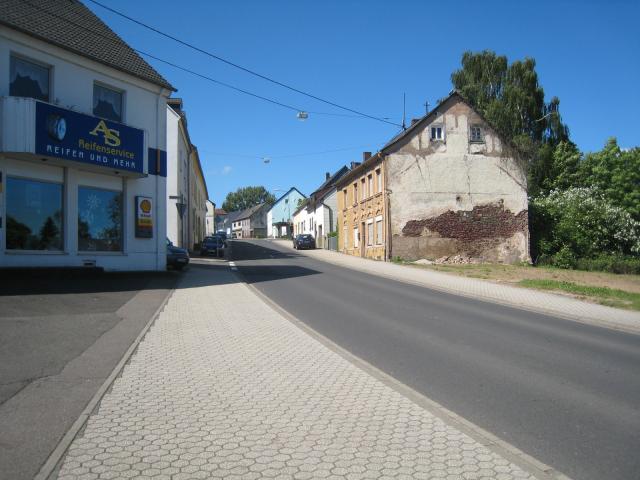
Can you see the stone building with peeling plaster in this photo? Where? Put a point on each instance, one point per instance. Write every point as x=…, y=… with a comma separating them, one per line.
x=452, y=189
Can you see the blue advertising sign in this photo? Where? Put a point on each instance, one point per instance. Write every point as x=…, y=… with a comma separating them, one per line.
x=82, y=138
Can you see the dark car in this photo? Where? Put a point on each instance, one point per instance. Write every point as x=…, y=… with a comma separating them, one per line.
x=222, y=235
x=212, y=245
x=177, y=257
x=304, y=241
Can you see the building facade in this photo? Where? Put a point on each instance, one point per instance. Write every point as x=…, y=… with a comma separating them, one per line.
x=82, y=143
x=251, y=223
x=318, y=215
x=280, y=215
x=361, y=206
x=187, y=193
x=210, y=226
x=455, y=190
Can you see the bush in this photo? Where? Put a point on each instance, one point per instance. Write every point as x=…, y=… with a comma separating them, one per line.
x=580, y=223
x=610, y=263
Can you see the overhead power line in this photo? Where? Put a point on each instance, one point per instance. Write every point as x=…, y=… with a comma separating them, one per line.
x=240, y=67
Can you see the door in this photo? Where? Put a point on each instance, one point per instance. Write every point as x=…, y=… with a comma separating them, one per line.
x=362, y=239
x=320, y=239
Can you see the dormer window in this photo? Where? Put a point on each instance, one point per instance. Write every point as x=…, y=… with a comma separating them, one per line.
x=475, y=135
x=437, y=133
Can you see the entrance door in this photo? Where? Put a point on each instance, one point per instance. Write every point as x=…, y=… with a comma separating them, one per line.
x=320, y=239
x=363, y=233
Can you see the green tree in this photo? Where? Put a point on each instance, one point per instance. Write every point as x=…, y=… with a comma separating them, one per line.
x=616, y=173
x=246, y=197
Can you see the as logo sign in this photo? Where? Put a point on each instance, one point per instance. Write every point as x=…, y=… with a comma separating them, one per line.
x=111, y=136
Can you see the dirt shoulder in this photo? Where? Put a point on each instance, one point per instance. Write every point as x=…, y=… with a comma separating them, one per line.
x=622, y=291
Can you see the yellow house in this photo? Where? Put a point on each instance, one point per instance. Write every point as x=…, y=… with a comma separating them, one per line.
x=362, y=200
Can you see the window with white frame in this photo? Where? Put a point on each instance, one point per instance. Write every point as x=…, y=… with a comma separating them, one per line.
x=355, y=193
x=28, y=79
x=364, y=189
x=379, y=180
x=475, y=134
x=356, y=237
x=370, y=232
x=437, y=132
x=370, y=184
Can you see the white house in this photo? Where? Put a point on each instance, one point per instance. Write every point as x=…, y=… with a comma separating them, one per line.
x=210, y=227
x=318, y=214
x=82, y=143
x=186, y=187
x=279, y=216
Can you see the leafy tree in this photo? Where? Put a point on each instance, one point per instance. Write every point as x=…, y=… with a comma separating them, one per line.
x=18, y=233
x=246, y=197
x=616, y=173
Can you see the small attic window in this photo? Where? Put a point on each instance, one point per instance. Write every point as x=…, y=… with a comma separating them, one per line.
x=475, y=135
x=437, y=132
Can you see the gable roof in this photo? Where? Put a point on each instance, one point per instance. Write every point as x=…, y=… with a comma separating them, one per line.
x=331, y=181
x=249, y=211
x=288, y=192
x=70, y=25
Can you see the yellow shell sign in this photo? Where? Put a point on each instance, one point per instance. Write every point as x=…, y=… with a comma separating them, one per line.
x=144, y=217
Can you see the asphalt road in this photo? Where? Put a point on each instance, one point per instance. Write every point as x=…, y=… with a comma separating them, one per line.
x=566, y=393
x=61, y=335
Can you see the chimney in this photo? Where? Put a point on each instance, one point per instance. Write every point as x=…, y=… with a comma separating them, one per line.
x=414, y=121
x=366, y=156
x=354, y=165
x=327, y=176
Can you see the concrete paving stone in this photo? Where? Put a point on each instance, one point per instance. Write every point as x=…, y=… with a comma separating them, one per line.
x=222, y=386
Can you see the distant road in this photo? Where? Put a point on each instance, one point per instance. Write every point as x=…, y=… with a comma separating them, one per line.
x=566, y=393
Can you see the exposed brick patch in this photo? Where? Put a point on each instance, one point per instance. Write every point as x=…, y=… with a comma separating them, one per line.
x=483, y=222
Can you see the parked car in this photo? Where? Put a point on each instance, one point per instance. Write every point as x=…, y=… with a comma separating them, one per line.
x=304, y=241
x=212, y=245
x=222, y=234
x=177, y=257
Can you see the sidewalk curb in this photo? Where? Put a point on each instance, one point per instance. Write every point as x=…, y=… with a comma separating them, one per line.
x=635, y=330
x=485, y=438
x=56, y=456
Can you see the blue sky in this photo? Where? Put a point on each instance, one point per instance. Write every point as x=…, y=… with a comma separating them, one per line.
x=365, y=55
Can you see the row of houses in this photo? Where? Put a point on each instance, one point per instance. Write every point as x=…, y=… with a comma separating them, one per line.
x=447, y=187
x=96, y=164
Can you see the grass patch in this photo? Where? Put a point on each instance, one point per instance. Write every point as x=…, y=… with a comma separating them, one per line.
x=603, y=295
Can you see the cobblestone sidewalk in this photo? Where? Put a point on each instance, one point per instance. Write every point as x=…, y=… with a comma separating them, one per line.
x=223, y=386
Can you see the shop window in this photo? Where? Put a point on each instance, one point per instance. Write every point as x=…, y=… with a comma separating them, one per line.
x=28, y=79
x=34, y=215
x=99, y=220
x=107, y=103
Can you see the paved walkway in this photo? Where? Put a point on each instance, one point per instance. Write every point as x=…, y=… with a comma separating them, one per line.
x=223, y=386
x=529, y=299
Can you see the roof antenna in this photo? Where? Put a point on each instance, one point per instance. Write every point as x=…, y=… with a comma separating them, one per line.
x=404, y=111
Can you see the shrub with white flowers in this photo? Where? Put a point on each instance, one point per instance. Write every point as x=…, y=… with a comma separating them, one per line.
x=583, y=223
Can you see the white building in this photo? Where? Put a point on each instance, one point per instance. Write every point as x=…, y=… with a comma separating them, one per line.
x=318, y=214
x=82, y=143
x=187, y=194
x=210, y=227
